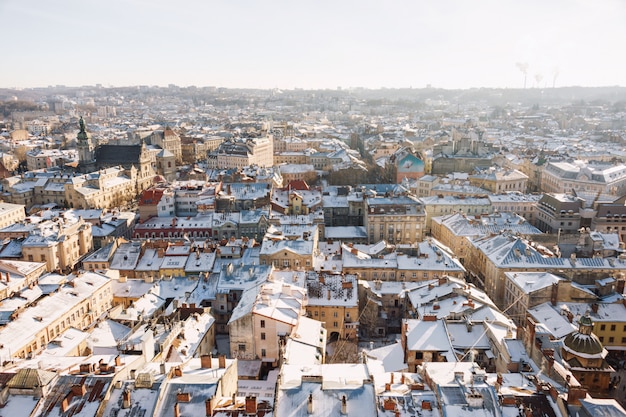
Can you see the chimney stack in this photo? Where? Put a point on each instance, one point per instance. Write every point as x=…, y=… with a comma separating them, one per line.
x=344, y=405
x=250, y=404
x=309, y=404
x=205, y=361
x=176, y=410
x=207, y=407
x=222, y=361
x=126, y=400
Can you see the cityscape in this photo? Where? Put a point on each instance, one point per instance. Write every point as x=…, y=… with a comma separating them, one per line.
x=313, y=209
x=399, y=252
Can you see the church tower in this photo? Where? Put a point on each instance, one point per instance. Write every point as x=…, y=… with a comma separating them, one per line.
x=86, y=154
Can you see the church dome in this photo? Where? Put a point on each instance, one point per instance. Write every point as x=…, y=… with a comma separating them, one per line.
x=583, y=342
x=587, y=344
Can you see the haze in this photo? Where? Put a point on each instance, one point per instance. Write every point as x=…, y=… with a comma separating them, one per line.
x=314, y=44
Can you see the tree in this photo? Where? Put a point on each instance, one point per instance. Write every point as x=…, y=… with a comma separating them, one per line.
x=20, y=153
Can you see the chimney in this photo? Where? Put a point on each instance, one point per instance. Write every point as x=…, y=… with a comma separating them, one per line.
x=118, y=360
x=176, y=410
x=222, y=361
x=426, y=405
x=8, y=277
x=183, y=397
x=205, y=361
x=162, y=368
x=329, y=293
x=391, y=378
x=126, y=400
x=79, y=390
x=389, y=404
x=387, y=387
x=344, y=405
x=178, y=371
x=594, y=308
x=250, y=404
x=309, y=404
x=207, y=407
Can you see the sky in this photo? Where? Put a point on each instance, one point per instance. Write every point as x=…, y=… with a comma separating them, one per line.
x=313, y=44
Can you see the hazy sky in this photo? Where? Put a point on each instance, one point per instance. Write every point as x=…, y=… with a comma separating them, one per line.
x=313, y=44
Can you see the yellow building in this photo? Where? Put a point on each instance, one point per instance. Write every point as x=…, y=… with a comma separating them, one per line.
x=334, y=300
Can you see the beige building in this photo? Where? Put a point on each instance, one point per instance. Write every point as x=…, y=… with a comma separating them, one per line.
x=17, y=275
x=11, y=214
x=524, y=290
x=394, y=219
x=106, y=188
x=493, y=256
x=439, y=205
x=242, y=153
x=263, y=319
x=456, y=230
x=282, y=254
x=79, y=301
x=59, y=243
x=583, y=177
x=500, y=180
x=168, y=139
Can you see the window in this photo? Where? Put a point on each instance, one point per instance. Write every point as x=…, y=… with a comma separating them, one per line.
x=263, y=324
x=601, y=339
x=603, y=327
x=335, y=324
x=612, y=327
x=242, y=348
x=262, y=336
x=263, y=353
x=419, y=355
x=334, y=314
x=611, y=339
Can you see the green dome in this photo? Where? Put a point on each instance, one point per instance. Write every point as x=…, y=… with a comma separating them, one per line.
x=587, y=344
